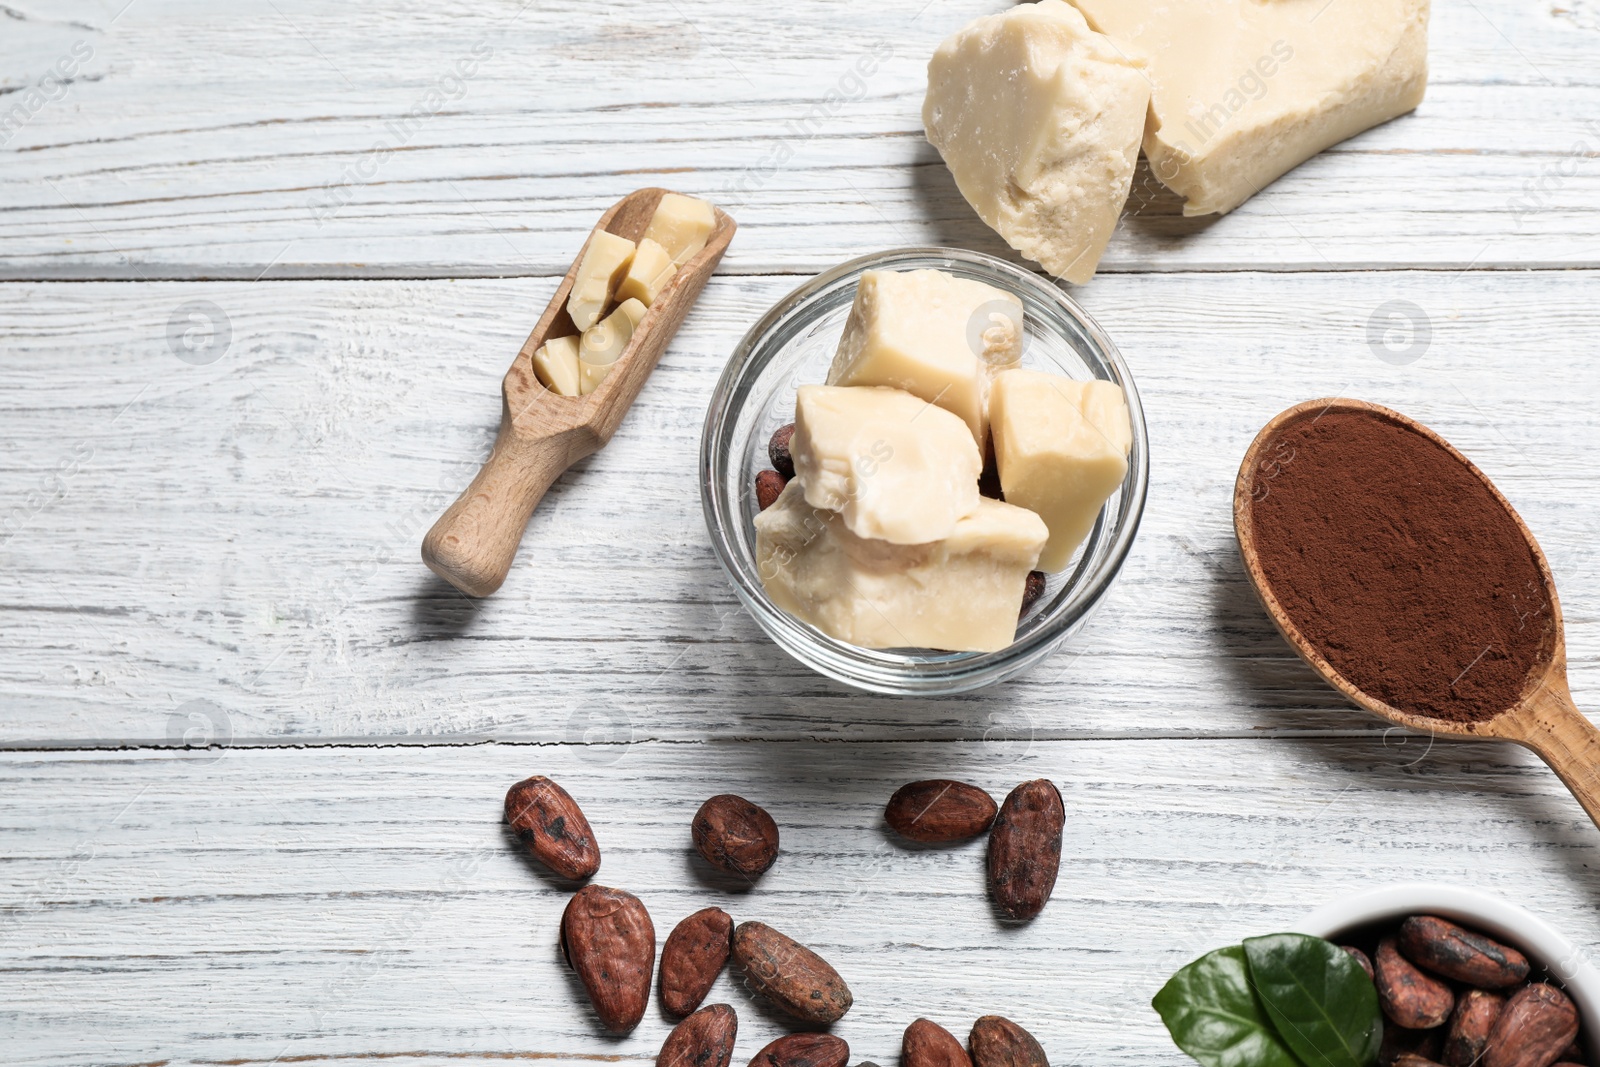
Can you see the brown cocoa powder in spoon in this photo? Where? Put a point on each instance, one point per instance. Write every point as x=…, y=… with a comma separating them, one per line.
x=1400, y=565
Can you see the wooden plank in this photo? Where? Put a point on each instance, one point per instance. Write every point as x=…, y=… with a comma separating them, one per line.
x=343, y=904
x=485, y=141
x=245, y=532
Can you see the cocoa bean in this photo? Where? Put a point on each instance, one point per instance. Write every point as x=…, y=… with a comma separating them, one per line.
x=735, y=835
x=1468, y=1032
x=769, y=486
x=1409, y=997
x=607, y=937
x=1411, y=1059
x=927, y=1044
x=778, y=450
x=1446, y=949
x=693, y=957
x=1032, y=590
x=704, y=1039
x=940, y=810
x=1535, y=1027
x=1025, y=849
x=804, y=1050
x=550, y=823
x=1360, y=957
x=1397, y=1041
x=998, y=1042
x=790, y=975
x=989, y=478
x=1574, y=1053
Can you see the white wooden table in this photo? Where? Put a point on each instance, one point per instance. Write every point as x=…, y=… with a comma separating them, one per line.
x=249, y=353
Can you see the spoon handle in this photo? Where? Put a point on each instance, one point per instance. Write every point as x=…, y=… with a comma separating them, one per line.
x=475, y=540
x=1551, y=725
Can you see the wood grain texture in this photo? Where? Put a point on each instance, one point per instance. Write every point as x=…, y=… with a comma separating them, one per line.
x=244, y=532
x=339, y=903
x=413, y=138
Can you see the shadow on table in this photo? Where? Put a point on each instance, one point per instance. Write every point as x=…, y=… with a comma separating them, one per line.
x=1153, y=212
x=1379, y=757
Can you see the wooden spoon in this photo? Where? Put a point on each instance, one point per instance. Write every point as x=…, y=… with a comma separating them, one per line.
x=1543, y=719
x=543, y=433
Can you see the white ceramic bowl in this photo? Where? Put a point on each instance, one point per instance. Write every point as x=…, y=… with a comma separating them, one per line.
x=1566, y=963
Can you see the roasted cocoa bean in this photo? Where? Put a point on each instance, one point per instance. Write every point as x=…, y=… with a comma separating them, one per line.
x=804, y=1050
x=549, y=822
x=735, y=835
x=693, y=957
x=1470, y=1024
x=998, y=1042
x=1409, y=997
x=778, y=450
x=607, y=937
x=769, y=487
x=1397, y=1041
x=1032, y=590
x=704, y=1039
x=1446, y=949
x=790, y=975
x=1025, y=849
x=1360, y=957
x=1535, y=1027
x=927, y=1044
x=939, y=811
x=989, y=479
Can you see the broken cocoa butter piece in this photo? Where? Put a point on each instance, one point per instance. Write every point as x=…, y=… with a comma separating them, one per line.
x=704, y=1039
x=693, y=956
x=940, y=811
x=791, y=976
x=927, y=1044
x=1025, y=849
x=996, y=1041
x=1411, y=998
x=607, y=937
x=1455, y=952
x=552, y=826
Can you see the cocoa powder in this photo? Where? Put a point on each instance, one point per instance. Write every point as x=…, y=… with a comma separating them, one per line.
x=1399, y=564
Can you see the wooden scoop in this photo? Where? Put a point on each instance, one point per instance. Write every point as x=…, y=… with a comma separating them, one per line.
x=543, y=433
x=1543, y=719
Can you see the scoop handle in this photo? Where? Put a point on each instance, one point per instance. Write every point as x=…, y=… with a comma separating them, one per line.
x=1551, y=725
x=475, y=541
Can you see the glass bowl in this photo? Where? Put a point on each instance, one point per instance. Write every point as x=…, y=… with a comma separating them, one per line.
x=793, y=345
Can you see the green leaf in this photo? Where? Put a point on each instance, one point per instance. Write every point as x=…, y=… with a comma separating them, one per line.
x=1323, y=1004
x=1215, y=1016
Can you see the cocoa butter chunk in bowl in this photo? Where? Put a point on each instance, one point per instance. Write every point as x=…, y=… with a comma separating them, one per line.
x=1396, y=569
x=1409, y=976
x=862, y=538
